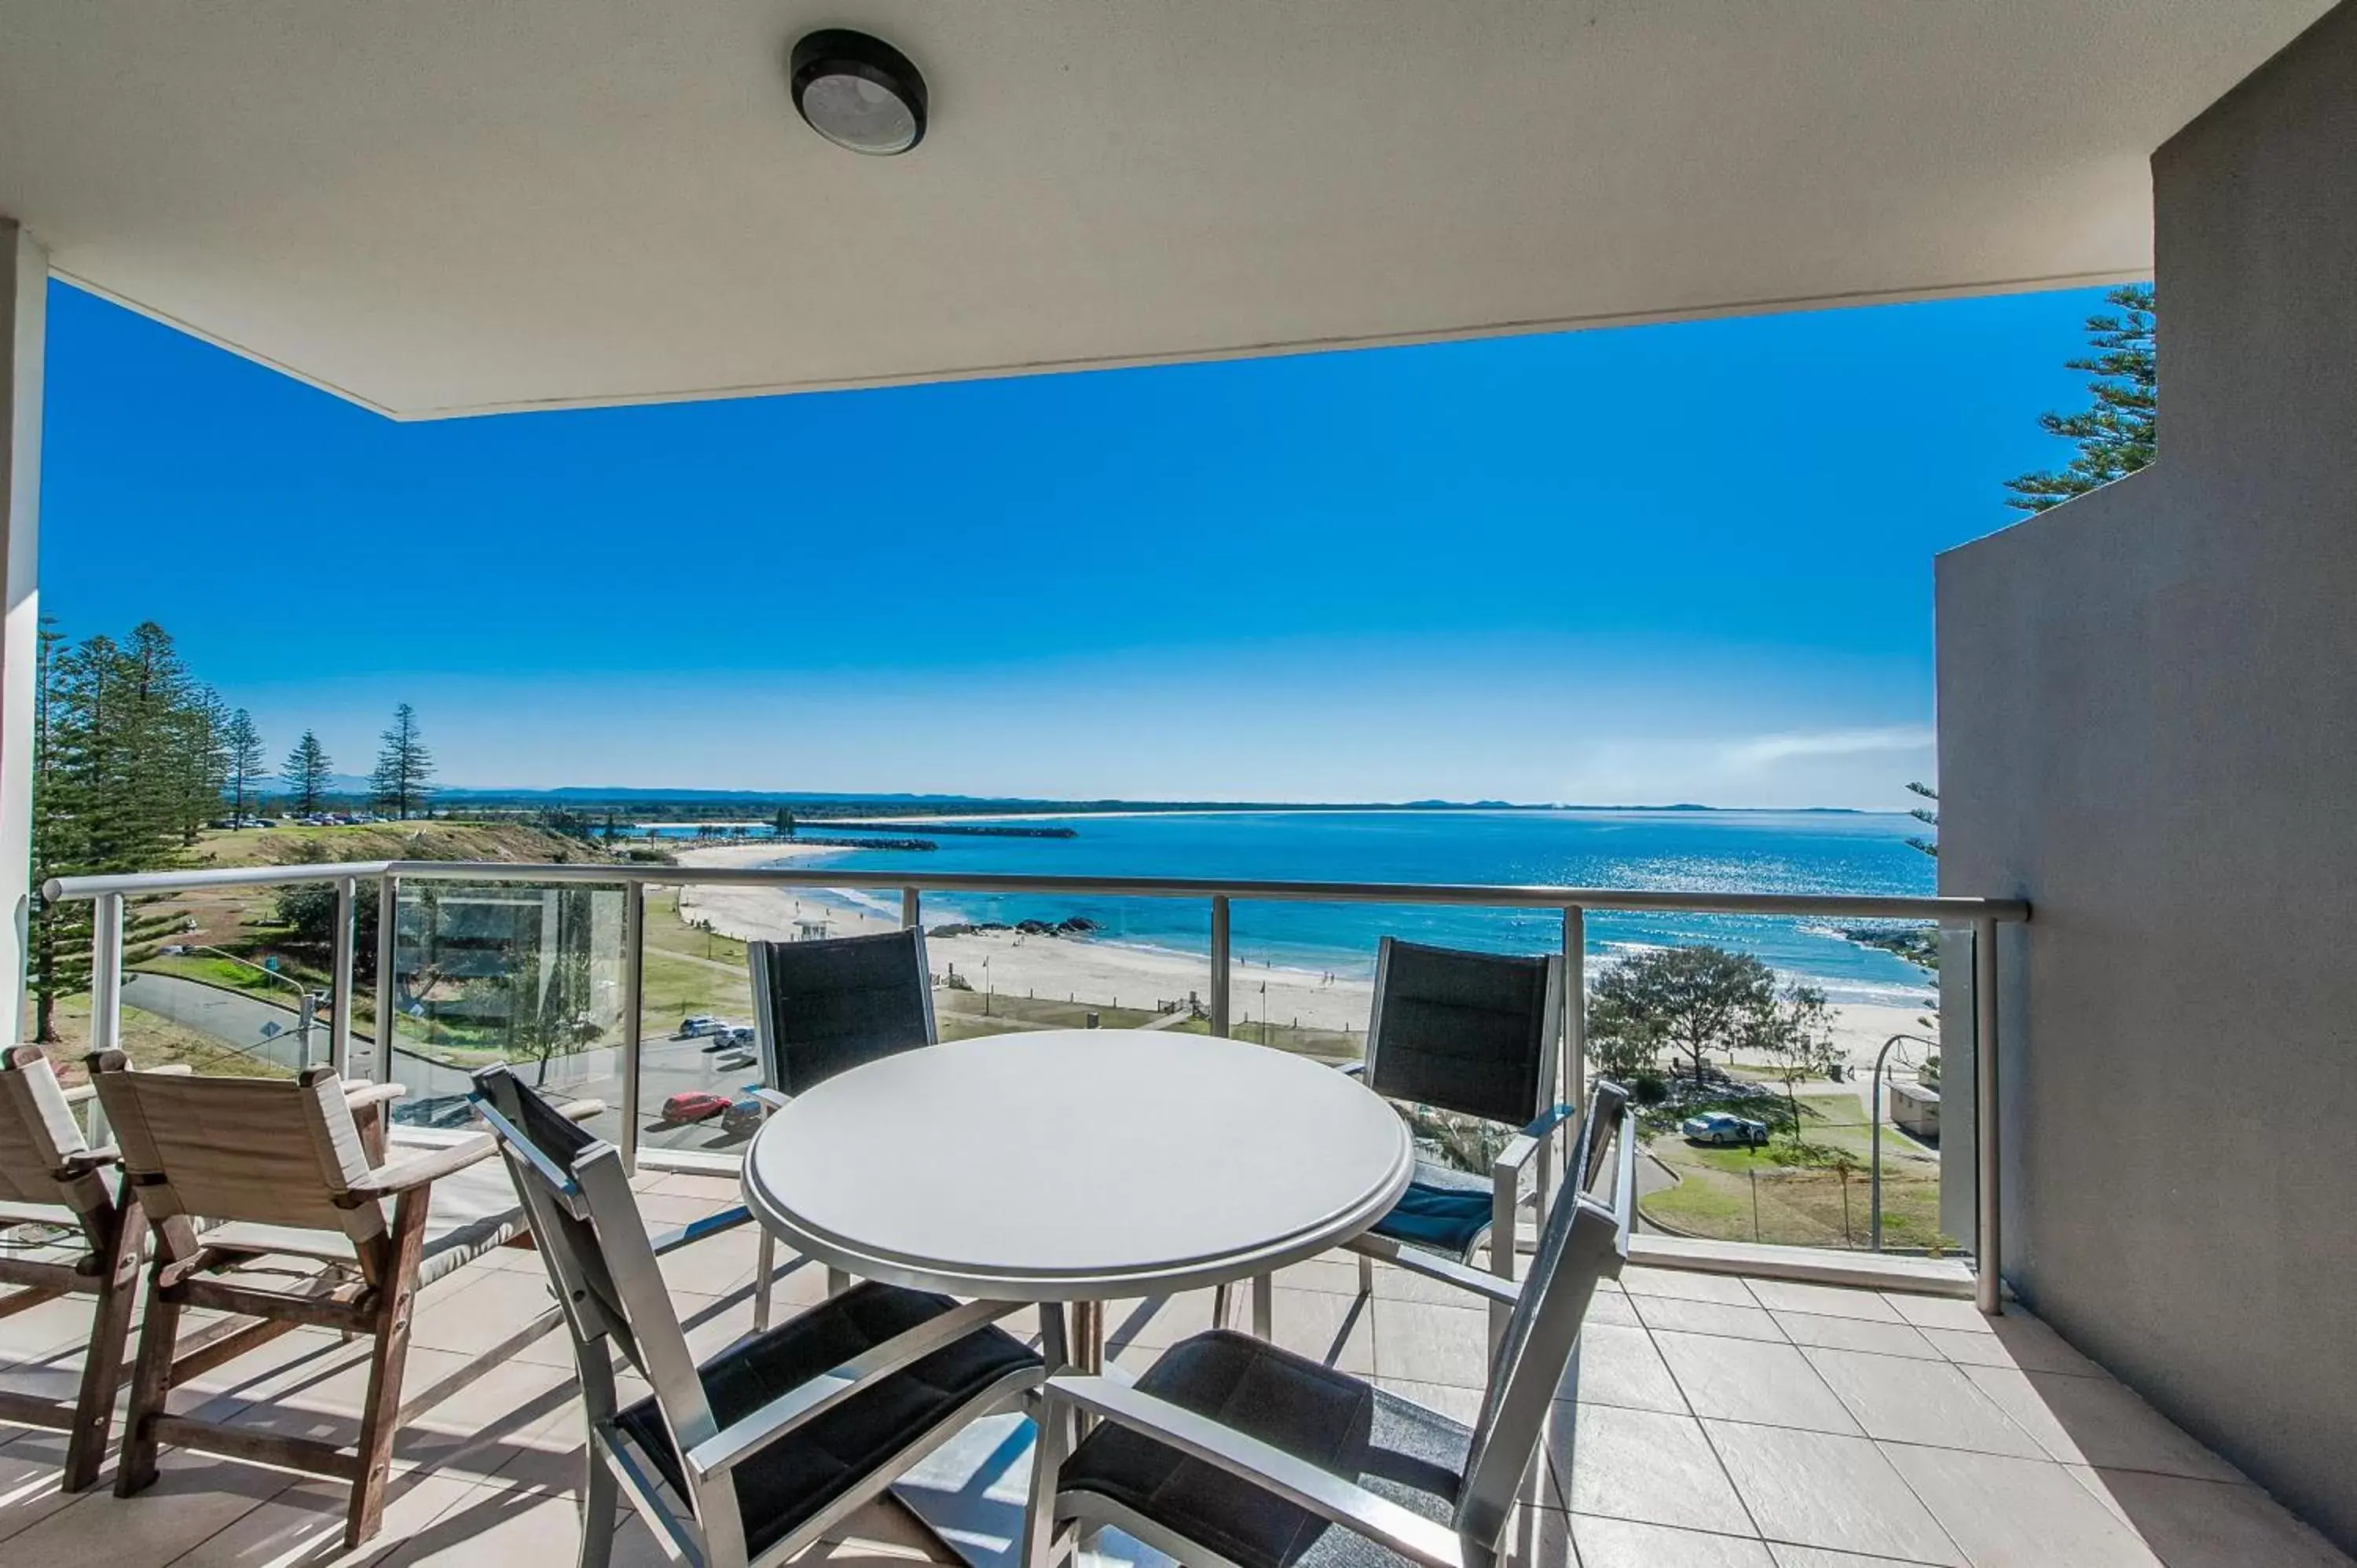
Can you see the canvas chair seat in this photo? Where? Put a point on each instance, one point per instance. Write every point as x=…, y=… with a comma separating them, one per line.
x=1397, y=1449
x=1443, y=1208
x=786, y=1483
x=468, y=1214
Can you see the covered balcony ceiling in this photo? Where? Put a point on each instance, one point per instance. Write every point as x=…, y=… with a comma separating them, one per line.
x=443, y=207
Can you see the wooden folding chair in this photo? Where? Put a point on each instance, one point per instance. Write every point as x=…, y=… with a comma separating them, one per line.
x=63, y=1231
x=293, y=1169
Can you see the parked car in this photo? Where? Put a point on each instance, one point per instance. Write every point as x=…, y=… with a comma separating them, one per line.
x=742, y=1033
x=695, y=1026
x=695, y=1105
x=733, y=1062
x=435, y=1110
x=1721, y=1127
x=741, y=1117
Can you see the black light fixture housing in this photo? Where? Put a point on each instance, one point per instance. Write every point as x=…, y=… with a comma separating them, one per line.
x=859, y=91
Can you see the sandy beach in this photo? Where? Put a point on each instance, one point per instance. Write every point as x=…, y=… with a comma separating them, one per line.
x=1113, y=974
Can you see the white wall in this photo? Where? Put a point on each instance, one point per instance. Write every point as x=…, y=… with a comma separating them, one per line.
x=2148, y=729
x=24, y=298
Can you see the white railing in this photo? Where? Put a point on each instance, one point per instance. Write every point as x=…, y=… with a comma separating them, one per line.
x=1983, y=916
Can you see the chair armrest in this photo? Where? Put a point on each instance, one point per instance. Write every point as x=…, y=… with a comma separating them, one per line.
x=733, y=1445
x=1508, y=1165
x=1432, y=1266
x=81, y=1094
x=694, y=1230
x=359, y=1097
x=82, y=1162
x=581, y=1110
x=425, y=1166
x=1271, y=1468
x=1352, y=1069
x=771, y=1099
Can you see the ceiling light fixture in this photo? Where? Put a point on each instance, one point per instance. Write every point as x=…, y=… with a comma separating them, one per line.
x=859, y=91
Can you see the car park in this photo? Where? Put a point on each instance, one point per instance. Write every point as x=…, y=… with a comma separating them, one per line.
x=735, y=1061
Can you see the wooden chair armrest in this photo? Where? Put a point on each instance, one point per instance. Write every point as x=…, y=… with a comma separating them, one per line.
x=1264, y=1466
x=422, y=1167
x=358, y=1097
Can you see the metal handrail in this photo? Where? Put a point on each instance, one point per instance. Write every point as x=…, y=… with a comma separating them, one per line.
x=1983, y=915
x=1526, y=896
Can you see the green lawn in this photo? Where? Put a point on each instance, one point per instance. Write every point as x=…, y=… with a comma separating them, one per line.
x=1776, y=1192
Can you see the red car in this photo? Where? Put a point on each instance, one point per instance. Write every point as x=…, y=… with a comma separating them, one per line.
x=694, y=1106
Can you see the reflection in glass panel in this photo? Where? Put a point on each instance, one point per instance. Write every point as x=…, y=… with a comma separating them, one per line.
x=532, y=976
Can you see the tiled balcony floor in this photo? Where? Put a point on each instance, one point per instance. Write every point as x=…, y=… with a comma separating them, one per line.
x=1717, y=1421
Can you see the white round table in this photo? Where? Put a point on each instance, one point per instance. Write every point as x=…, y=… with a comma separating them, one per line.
x=1078, y=1166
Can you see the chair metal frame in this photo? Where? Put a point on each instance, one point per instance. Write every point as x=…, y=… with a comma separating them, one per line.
x=1590, y=1240
x=606, y=1272
x=1530, y=1152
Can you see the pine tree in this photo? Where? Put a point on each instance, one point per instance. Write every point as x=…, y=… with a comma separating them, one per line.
x=2122, y=432
x=306, y=773
x=112, y=727
x=241, y=743
x=58, y=962
x=403, y=764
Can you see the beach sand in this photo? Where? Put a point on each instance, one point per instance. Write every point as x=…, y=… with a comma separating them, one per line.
x=1115, y=973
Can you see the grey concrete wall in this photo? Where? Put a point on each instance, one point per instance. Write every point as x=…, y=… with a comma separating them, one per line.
x=2148, y=728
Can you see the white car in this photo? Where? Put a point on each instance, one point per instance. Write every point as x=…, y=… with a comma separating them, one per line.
x=1720, y=1127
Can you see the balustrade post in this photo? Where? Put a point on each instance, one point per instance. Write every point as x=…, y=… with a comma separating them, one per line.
x=388, y=916
x=1988, y=1286
x=339, y=983
x=1219, y=964
x=634, y=974
x=106, y=972
x=1575, y=1004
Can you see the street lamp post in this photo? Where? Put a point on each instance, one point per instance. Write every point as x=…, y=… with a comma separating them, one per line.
x=1874, y=1117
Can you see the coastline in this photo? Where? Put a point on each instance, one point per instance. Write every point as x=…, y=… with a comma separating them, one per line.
x=1107, y=971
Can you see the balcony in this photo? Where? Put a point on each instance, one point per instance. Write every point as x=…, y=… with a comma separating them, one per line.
x=1730, y=1404
x=1719, y=1420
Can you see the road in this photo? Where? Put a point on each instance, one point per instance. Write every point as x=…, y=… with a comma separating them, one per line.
x=265, y=1030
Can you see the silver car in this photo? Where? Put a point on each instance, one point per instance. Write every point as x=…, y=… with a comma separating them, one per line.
x=1721, y=1127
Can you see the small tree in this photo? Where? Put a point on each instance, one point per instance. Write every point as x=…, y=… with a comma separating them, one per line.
x=1625, y=1041
x=785, y=823
x=308, y=908
x=1689, y=1001
x=2122, y=433
x=403, y=764
x=306, y=773
x=243, y=743
x=1797, y=1040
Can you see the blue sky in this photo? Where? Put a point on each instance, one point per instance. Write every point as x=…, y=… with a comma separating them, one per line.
x=1684, y=562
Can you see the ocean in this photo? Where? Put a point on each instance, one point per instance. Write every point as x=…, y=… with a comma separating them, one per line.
x=1755, y=851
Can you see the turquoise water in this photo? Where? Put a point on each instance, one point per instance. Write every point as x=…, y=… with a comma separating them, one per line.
x=1747, y=851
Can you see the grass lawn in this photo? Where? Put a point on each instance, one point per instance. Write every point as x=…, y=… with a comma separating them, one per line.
x=149, y=1042
x=1774, y=1193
